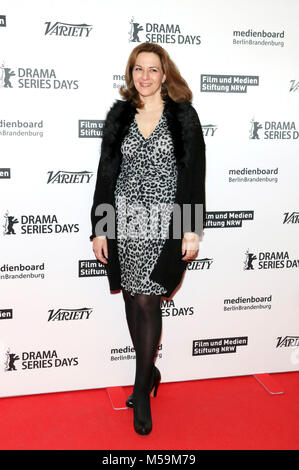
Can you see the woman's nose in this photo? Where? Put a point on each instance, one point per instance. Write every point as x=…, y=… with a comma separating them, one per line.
x=145, y=74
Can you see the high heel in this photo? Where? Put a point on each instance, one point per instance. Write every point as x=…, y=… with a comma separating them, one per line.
x=154, y=384
x=157, y=380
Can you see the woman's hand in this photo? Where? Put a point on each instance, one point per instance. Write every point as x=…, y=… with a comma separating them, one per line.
x=100, y=247
x=190, y=246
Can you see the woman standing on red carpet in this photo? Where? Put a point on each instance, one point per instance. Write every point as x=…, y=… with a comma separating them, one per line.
x=152, y=160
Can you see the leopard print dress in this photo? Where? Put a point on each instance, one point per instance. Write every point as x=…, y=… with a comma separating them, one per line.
x=144, y=196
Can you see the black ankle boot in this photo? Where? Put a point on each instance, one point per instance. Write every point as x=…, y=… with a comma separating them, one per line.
x=154, y=384
x=142, y=414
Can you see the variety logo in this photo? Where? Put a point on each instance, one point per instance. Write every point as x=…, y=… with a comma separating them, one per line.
x=4, y=173
x=66, y=314
x=247, y=303
x=291, y=218
x=203, y=347
x=227, y=83
x=2, y=21
x=162, y=33
x=224, y=219
x=170, y=310
x=287, y=341
x=198, y=264
x=37, y=224
x=65, y=29
x=273, y=130
x=261, y=38
x=209, y=130
x=69, y=177
x=37, y=360
x=269, y=260
x=6, y=314
x=294, y=85
x=253, y=175
x=29, y=77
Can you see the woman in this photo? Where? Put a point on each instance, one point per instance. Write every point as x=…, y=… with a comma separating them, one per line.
x=153, y=157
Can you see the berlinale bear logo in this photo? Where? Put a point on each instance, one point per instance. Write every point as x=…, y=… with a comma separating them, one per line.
x=9, y=224
x=11, y=358
x=5, y=74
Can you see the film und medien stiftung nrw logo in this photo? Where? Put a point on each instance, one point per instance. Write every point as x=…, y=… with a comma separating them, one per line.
x=161, y=33
x=36, y=224
x=37, y=360
x=227, y=83
x=269, y=260
x=34, y=77
x=273, y=130
x=58, y=28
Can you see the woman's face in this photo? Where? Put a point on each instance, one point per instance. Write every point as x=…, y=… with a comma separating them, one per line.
x=147, y=74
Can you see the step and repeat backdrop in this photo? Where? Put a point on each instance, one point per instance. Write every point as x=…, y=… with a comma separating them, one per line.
x=236, y=311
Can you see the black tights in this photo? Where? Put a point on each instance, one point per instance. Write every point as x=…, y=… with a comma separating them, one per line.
x=144, y=318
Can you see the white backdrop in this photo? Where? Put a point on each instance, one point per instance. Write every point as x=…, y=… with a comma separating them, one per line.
x=236, y=312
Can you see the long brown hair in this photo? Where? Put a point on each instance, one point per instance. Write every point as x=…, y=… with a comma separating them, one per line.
x=174, y=86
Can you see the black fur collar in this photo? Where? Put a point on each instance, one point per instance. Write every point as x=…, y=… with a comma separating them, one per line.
x=120, y=117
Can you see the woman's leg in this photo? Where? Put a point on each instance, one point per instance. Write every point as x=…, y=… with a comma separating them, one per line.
x=147, y=334
x=131, y=313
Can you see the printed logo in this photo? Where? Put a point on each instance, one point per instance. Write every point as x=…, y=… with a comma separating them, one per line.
x=225, y=219
x=287, y=341
x=69, y=177
x=66, y=314
x=11, y=358
x=273, y=130
x=65, y=29
x=294, y=85
x=91, y=128
x=91, y=268
x=269, y=260
x=160, y=33
x=4, y=173
x=253, y=175
x=202, y=347
x=227, y=83
x=198, y=264
x=25, y=128
x=6, y=314
x=291, y=218
x=209, y=130
x=267, y=38
x=25, y=271
x=169, y=309
x=2, y=21
x=38, y=360
x=37, y=224
x=128, y=352
x=30, y=77
x=247, y=303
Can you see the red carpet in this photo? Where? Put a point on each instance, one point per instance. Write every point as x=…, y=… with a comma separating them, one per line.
x=224, y=413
